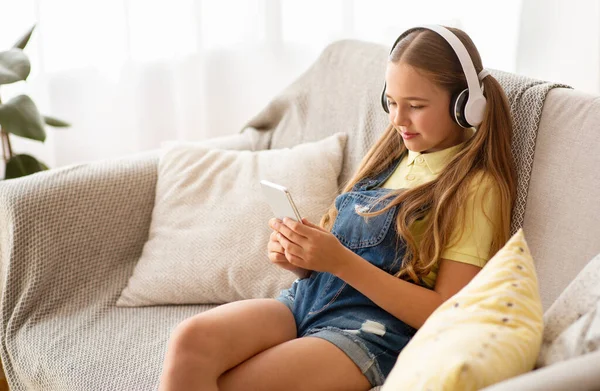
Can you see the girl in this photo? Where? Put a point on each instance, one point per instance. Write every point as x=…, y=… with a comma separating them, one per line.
x=429, y=204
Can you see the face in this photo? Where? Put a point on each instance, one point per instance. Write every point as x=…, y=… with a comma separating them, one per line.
x=420, y=110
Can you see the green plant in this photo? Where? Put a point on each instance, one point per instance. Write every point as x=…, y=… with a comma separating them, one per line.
x=20, y=116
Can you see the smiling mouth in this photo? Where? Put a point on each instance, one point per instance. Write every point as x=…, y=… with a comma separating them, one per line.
x=404, y=133
x=408, y=136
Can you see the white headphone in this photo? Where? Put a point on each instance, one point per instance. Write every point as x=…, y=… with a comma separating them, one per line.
x=468, y=106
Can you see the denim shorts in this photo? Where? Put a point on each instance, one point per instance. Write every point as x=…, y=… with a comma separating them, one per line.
x=368, y=343
x=327, y=307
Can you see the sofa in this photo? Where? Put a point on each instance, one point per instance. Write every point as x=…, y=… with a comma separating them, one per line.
x=70, y=237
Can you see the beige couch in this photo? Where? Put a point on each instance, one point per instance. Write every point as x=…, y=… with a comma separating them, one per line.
x=70, y=237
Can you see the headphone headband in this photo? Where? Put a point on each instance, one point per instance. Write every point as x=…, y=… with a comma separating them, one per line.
x=475, y=106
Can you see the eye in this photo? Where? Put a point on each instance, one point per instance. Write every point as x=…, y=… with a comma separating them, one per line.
x=416, y=107
x=391, y=103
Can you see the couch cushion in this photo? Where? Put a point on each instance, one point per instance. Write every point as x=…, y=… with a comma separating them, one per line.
x=580, y=374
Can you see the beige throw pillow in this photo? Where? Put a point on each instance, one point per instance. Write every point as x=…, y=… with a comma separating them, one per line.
x=209, y=230
x=249, y=139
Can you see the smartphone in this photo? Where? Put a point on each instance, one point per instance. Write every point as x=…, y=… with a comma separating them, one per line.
x=280, y=200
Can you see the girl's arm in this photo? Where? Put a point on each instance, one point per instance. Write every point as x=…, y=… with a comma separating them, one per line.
x=310, y=246
x=406, y=301
x=414, y=304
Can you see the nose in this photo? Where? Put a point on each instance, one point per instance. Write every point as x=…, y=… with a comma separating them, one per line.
x=399, y=117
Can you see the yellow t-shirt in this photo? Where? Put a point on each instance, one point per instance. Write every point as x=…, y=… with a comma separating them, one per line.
x=475, y=244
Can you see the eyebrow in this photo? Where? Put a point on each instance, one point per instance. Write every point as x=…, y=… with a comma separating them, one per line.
x=409, y=98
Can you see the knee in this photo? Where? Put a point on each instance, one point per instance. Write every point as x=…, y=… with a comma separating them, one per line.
x=193, y=339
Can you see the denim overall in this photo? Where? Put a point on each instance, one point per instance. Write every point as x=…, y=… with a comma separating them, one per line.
x=327, y=307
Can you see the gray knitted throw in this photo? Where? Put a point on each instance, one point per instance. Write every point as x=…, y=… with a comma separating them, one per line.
x=526, y=98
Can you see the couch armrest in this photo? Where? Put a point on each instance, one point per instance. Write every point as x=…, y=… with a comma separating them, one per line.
x=66, y=231
x=580, y=373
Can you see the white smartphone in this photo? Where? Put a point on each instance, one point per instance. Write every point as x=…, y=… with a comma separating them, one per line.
x=280, y=200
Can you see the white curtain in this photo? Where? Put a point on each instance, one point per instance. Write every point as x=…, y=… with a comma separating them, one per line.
x=559, y=40
x=130, y=74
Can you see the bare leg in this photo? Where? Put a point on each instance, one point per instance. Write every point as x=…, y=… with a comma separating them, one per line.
x=206, y=345
x=307, y=363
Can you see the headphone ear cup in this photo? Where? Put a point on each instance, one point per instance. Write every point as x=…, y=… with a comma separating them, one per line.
x=384, y=100
x=457, y=108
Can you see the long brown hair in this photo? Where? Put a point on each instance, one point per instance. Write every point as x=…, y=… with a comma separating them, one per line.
x=486, y=154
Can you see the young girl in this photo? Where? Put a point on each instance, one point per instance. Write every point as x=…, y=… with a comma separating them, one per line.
x=428, y=206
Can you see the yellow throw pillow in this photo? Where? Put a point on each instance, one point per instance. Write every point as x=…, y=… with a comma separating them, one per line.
x=491, y=330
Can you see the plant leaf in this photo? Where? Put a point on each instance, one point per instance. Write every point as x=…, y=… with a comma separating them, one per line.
x=14, y=66
x=22, y=42
x=21, y=117
x=58, y=123
x=22, y=165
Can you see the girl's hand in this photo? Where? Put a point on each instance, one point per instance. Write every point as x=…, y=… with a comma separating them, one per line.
x=277, y=256
x=309, y=246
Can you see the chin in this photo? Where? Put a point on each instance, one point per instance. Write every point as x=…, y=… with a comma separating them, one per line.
x=414, y=147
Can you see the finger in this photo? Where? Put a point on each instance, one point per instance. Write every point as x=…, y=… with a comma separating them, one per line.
x=306, y=222
x=296, y=227
x=294, y=260
x=291, y=235
x=277, y=257
x=275, y=242
x=289, y=246
x=275, y=246
x=273, y=223
x=273, y=237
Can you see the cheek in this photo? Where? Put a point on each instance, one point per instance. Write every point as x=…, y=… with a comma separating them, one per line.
x=426, y=120
x=430, y=122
